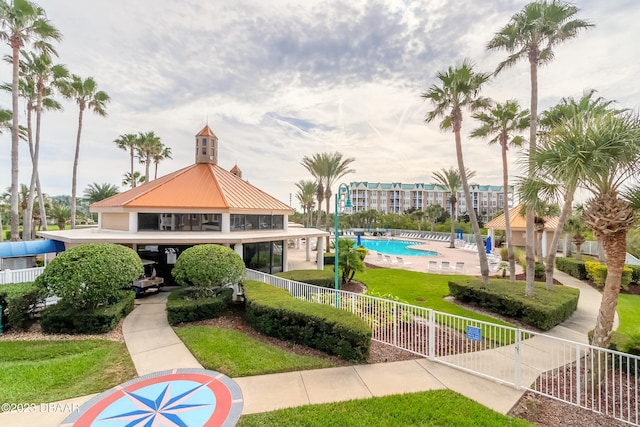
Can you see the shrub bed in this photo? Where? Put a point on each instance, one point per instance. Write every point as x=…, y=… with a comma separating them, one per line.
x=598, y=273
x=273, y=312
x=183, y=306
x=543, y=311
x=19, y=301
x=635, y=273
x=572, y=267
x=322, y=278
x=63, y=318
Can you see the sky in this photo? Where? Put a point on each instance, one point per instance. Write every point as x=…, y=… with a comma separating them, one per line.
x=280, y=80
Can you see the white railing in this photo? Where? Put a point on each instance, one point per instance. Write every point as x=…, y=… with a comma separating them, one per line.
x=19, y=276
x=597, y=379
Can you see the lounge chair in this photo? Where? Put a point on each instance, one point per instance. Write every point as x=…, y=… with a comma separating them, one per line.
x=458, y=267
x=433, y=266
x=444, y=266
x=380, y=258
x=402, y=261
x=388, y=259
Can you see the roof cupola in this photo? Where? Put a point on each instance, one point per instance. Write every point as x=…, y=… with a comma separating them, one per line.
x=206, y=146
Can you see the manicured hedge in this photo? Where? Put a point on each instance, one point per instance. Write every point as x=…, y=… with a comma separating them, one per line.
x=598, y=273
x=274, y=312
x=183, y=306
x=18, y=301
x=62, y=318
x=635, y=273
x=329, y=258
x=543, y=311
x=572, y=267
x=323, y=278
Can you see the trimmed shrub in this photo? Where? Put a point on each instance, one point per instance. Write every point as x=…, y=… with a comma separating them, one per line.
x=19, y=301
x=322, y=278
x=572, y=267
x=208, y=268
x=184, y=306
x=329, y=258
x=635, y=273
x=64, y=318
x=91, y=275
x=274, y=312
x=598, y=273
x=543, y=311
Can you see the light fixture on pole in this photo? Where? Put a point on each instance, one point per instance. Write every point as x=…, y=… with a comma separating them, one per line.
x=347, y=204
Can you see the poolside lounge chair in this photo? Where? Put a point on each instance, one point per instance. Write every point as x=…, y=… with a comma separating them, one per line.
x=433, y=266
x=444, y=266
x=402, y=261
x=388, y=259
x=458, y=267
x=380, y=258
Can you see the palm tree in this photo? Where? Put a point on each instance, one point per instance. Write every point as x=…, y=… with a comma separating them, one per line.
x=532, y=33
x=317, y=167
x=450, y=181
x=22, y=23
x=460, y=88
x=133, y=180
x=41, y=70
x=337, y=167
x=87, y=96
x=306, y=193
x=575, y=226
x=433, y=212
x=128, y=142
x=149, y=144
x=96, y=192
x=165, y=153
x=502, y=124
x=61, y=212
x=418, y=215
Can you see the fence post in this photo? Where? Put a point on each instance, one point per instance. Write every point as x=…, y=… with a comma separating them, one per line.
x=517, y=359
x=431, y=334
x=578, y=375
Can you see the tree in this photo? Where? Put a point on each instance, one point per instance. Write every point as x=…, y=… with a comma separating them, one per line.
x=306, y=192
x=86, y=94
x=317, y=167
x=336, y=168
x=433, y=212
x=460, y=88
x=133, y=180
x=502, y=124
x=450, y=181
x=129, y=142
x=532, y=33
x=61, y=212
x=419, y=216
x=149, y=144
x=164, y=153
x=575, y=227
x=43, y=74
x=22, y=23
x=350, y=260
x=96, y=192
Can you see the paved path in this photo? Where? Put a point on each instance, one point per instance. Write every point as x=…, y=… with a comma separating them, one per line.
x=154, y=346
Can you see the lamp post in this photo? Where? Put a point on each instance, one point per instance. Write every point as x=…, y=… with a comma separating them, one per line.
x=341, y=188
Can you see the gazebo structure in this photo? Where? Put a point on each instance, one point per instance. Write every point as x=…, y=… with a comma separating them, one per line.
x=518, y=223
x=201, y=203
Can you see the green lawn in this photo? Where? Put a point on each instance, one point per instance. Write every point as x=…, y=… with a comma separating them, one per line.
x=47, y=371
x=421, y=289
x=431, y=408
x=629, y=314
x=237, y=355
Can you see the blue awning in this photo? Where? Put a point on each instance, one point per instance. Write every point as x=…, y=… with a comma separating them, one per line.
x=30, y=247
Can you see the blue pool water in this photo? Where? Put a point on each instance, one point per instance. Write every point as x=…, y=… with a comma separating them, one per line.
x=395, y=247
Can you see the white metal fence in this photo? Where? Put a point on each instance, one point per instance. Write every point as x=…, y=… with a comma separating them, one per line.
x=19, y=276
x=601, y=380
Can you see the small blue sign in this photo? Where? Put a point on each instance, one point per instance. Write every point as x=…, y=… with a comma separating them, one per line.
x=474, y=333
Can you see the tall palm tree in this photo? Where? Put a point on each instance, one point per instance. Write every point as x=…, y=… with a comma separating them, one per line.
x=164, y=153
x=460, y=88
x=575, y=227
x=502, y=124
x=532, y=33
x=129, y=142
x=433, y=212
x=450, y=181
x=306, y=193
x=317, y=167
x=41, y=70
x=336, y=168
x=86, y=94
x=22, y=23
x=149, y=144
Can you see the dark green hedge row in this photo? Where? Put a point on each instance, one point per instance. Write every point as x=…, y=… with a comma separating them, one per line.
x=183, y=306
x=329, y=258
x=572, y=267
x=543, y=311
x=62, y=318
x=18, y=301
x=323, y=278
x=274, y=312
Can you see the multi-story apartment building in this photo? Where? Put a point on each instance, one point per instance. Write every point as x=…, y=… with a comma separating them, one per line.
x=397, y=197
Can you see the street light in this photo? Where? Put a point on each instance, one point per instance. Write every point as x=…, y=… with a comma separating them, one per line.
x=347, y=204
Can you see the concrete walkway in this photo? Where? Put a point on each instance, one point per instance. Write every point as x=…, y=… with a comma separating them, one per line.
x=154, y=346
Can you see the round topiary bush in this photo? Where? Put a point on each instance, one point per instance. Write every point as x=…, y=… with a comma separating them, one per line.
x=208, y=268
x=91, y=275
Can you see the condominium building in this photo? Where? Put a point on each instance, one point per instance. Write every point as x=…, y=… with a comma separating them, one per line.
x=397, y=197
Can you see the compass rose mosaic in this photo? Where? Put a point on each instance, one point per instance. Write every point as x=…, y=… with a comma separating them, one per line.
x=177, y=398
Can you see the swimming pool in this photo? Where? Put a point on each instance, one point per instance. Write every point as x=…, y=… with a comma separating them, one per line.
x=395, y=247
